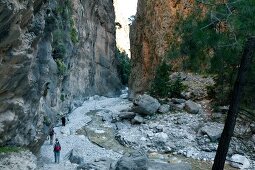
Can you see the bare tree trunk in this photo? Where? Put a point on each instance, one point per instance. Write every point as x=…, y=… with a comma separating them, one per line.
x=228, y=130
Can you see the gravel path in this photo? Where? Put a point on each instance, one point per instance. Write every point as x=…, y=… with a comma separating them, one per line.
x=69, y=140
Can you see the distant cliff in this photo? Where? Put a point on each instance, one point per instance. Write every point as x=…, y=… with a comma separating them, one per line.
x=150, y=35
x=53, y=53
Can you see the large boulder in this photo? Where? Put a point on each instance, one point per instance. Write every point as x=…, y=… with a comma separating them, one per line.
x=192, y=107
x=239, y=161
x=76, y=156
x=213, y=130
x=137, y=120
x=145, y=105
x=137, y=160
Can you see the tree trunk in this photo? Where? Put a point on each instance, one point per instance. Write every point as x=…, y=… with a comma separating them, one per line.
x=228, y=130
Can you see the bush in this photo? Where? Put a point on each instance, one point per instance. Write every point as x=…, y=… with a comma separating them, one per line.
x=46, y=120
x=162, y=86
x=61, y=67
x=74, y=35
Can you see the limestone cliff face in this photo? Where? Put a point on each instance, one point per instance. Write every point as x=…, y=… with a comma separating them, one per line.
x=53, y=53
x=150, y=36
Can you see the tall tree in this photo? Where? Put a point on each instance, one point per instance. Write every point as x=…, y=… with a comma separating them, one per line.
x=212, y=37
x=228, y=130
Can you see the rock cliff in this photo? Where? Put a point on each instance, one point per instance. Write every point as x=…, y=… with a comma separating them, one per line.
x=150, y=35
x=53, y=53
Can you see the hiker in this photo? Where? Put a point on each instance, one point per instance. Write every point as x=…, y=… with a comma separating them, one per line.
x=51, y=134
x=57, y=149
x=63, y=119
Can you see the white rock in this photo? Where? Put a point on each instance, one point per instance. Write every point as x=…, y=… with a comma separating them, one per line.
x=161, y=136
x=99, y=131
x=239, y=161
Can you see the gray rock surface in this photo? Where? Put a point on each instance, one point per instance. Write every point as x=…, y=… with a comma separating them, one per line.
x=213, y=130
x=23, y=160
x=239, y=161
x=145, y=104
x=100, y=164
x=76, y=156
x=137, y=120
x=192, y=107
x=36, y=82
x=164, y=108
x=127, y=115
x=137, y=160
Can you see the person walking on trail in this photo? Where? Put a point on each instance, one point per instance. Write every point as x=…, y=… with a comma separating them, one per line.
x=57, y=149
x=63, y=119
x=51, y=134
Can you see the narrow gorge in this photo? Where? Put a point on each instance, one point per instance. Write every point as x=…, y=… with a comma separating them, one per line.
x=74, y=58
x=53, y=55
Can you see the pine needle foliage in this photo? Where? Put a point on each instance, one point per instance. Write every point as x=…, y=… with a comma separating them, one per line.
x=162, y=86
x=212, y=39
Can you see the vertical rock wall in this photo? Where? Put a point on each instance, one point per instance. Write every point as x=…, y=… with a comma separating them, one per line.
x=150, y=35
x=53, y=53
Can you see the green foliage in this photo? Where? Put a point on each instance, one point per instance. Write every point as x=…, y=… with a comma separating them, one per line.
x=8, y=149
x=74, y=35
x=123, y=66
x=162, y=86
x=213, y=43
x=62, y=97
x=61, y=67
x=46, y=121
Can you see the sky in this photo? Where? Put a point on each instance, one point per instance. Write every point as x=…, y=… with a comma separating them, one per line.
x=128, y=7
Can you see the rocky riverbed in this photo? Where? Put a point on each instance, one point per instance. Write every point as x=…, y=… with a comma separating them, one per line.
x=101, y=133
x=106, y=128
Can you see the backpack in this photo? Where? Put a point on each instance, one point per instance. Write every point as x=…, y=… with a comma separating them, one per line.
x=57, y=147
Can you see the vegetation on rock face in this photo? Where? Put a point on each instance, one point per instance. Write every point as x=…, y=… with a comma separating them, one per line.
x=212, y=39
x=123, y=66
x=8, y=149
x=59, y=21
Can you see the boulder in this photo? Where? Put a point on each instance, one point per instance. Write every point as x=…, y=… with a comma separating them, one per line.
x=239, y=161
x=177, y=106
x=164, y=108
x=145, y=105
x=76, y=156
x=126, y=115
x=213, y=130
x=178, y=101
x=137, y=120
x=137, y=160
x=192, y=107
